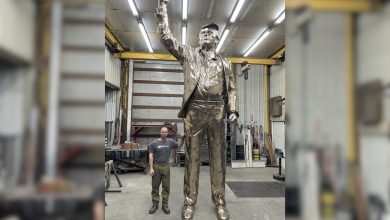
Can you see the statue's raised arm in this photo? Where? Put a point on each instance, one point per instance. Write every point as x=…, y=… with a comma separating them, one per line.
x=164, y=33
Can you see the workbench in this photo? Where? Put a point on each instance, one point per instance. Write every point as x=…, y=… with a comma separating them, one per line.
x=128, y=159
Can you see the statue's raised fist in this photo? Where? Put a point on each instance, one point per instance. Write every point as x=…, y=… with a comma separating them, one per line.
x=163, y=2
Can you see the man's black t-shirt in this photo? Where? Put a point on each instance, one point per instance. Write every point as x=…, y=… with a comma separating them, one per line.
x=161, y=150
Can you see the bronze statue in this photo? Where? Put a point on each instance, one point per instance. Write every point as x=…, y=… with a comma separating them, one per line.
x=209, y=94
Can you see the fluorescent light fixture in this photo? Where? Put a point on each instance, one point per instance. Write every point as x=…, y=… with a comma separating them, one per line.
x=183, y=34
x=223, y=38
x=236, y=10
x=185, y=8
x=257, y=42
x=133, y=8
x=145, y=35
x=280, y=18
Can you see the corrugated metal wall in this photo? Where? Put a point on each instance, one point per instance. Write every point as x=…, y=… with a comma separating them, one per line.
x=156, y=96
x=316, y=99
x=112, y=69
x=16, y=96
x=251, y=98
x=373, y=64
x=111, y=104
x=277, y=88
x=112, y=93
x=11, y=100
x=17, y=46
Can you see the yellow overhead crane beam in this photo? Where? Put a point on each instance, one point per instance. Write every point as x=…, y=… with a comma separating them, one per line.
x=333, y=5
x=112, y=39
x=81, y=2
x=169, y=57
x=278, y=53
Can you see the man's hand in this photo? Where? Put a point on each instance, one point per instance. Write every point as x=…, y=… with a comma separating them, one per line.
x=151, y=171
x=232, y=117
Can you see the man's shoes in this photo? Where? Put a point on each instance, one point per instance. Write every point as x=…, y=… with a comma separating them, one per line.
x=187, y=212
x=222, y=213
x=166, y=209
x=153, y=209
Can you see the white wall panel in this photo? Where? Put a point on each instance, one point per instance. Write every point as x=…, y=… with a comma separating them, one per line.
x=19, y=41
x=70, y=90
x=84, y=62
x=12, y=103
x=316, y=87
x=165, y=101
x=79, y=62
x=155, y=113
x=158, y=88
x=277, y=87
x=277, y=81
x=373, y=63
x=86, y=12
x=76, y=139
x=111, y=104
x=278, y=137
x=81, y=117
x=251, y=98
x=158, y=76
x=74, y=35
x=150, y=72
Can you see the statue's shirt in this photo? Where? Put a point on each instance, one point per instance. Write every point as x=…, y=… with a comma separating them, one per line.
x=211, y=83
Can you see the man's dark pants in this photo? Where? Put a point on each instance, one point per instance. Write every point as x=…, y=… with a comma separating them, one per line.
x=161, y=175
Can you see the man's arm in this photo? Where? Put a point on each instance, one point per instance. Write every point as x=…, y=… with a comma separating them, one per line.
x=151, y=164
x=165, y=34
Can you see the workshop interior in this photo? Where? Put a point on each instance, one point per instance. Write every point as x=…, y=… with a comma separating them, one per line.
x=86, y=86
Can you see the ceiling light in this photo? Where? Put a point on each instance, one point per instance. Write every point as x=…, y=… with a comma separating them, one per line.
x=133, y=8
x=183, y=34
x=280, y=18
x=145, y=35
x=257, y=42
x=223, y=38
x=185, y=6
x=236, y=10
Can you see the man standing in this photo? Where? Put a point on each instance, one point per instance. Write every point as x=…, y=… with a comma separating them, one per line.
x=209, y=94
x=159, y=152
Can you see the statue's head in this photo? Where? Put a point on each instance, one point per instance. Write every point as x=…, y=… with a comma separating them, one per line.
x=208, y=35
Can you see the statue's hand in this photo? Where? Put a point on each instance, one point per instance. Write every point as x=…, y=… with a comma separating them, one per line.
x=163, y=2
x=232, y=117
x=160, y=14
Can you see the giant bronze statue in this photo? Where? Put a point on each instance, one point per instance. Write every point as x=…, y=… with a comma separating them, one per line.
x=209, y=94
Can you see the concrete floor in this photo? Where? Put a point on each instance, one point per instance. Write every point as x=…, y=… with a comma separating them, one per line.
x=135, y=200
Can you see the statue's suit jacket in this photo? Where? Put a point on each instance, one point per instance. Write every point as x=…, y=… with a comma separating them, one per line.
x=190, y=59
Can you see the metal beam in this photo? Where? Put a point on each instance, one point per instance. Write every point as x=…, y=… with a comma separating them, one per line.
x=259, y=61
x=144, y=56
x=112, y=39
x=333, y=5
x=81, y=2
x=267, y=128
x=278, y=53
x=168, y=57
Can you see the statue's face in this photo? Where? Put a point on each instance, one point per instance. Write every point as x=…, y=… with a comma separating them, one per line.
x=208, y=36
